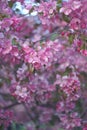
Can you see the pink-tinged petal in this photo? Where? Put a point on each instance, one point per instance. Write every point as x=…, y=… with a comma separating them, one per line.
x=1, y=35
x=83, y=52
x=7, y=50
x=62, y=10
x=76, y=5
x=67, y=11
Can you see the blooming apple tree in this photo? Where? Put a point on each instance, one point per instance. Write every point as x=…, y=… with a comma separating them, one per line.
x=43, y=65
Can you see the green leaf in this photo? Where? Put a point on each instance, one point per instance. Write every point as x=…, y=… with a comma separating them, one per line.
x=1, y=127
x=77, y=128
x=60, y=129
x=43, y=126
x=14, y=42
x=59, y=4
x=10, y=4
x=79, y=107
x=2, y=16
x=66, y=18
x=21, y=127
x=31, y=10
x=54, y=36
x=16, y=126
x=84, y=37
x=13, y=126
x=71, y=38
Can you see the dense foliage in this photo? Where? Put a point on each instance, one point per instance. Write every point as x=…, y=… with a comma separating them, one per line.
x=43, y=65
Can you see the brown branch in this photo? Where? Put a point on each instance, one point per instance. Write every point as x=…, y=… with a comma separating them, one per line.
x=84, y=113
x=29, y=115
x=11, y=105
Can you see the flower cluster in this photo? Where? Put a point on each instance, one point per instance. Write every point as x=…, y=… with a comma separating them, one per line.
x=70, y=85
x=42, y=55
x=6, y=117
x=47, y=11
x=43, y=64
x=71, y=121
